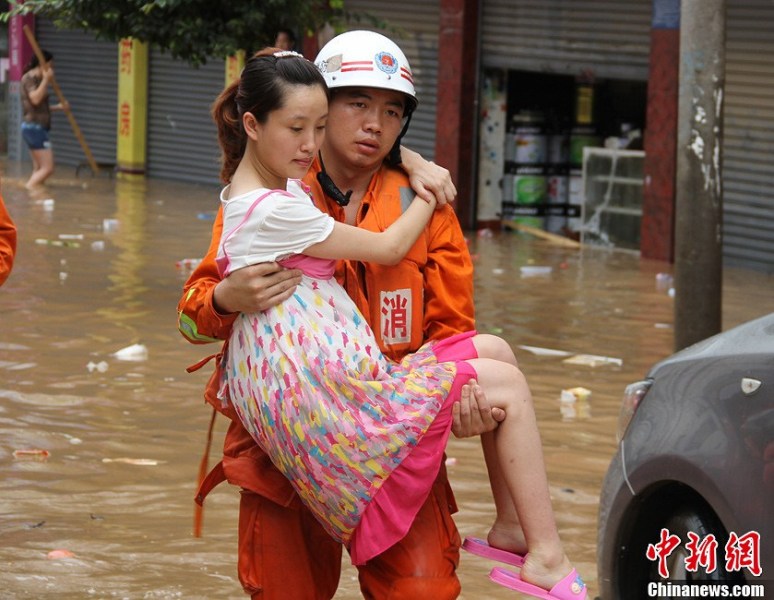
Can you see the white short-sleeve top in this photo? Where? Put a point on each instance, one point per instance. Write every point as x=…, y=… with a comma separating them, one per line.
x=266, y=225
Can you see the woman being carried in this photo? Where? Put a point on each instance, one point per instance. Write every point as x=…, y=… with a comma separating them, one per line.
x=360, y=438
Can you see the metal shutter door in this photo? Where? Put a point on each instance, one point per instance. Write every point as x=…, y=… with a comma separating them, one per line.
x=87, y=73
x=748, y=144
x=419, y=20
x=610, y=37
x=182, y=139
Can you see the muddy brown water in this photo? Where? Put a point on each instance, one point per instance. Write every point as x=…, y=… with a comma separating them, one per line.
x=124, y=437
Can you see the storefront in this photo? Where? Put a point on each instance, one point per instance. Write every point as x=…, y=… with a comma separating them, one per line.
x=555, y=78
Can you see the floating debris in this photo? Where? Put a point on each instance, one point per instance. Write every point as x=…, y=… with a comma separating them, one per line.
x=592, y=360
x=32, y=453
x=134, y=352
x=60, y=243
x=188, y=264
x=544, y=351
x=143, y=462
x=535, y=271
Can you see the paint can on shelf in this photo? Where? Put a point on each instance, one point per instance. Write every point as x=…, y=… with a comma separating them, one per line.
x=530, y=143
x=529, y=185
x=529, y=194
x=581, y=137
x=524, y=183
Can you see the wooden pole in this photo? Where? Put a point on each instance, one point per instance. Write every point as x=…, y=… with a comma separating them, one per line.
x=543, y=235
x=68, y=112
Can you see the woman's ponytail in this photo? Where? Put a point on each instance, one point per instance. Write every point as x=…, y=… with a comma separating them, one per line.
x=231, y=135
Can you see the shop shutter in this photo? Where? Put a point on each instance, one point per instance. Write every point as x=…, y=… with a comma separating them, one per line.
x=87, y=73
x=748, y=144
x=415, y=29
x=182, y=142
x=609, y=37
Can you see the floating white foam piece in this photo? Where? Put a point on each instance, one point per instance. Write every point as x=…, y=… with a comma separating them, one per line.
x=545, y=351
x=133, y=352
x=535, y=271
x=101, y=366
x=592, y=360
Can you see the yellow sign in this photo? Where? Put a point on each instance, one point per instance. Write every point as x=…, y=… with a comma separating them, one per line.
x=132, y=106
x=234, y=65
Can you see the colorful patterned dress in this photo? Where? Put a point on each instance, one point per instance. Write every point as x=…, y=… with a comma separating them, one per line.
x=360, y=438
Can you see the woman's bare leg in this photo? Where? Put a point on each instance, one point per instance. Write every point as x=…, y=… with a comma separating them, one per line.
x=520, y=453
x=43, y=167
x=35, y=165
x=506, y=533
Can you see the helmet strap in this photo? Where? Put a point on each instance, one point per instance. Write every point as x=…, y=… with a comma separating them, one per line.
x=328, y=186
x=394, y=158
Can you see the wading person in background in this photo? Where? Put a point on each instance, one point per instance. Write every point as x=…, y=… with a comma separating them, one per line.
x=36, y=120
x=283, y=551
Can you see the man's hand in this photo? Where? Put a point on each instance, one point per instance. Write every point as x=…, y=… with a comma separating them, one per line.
x=255, y=288
x=472, y=415
x=428, y=179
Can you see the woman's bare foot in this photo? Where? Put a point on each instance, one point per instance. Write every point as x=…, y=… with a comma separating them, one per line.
x=507, y=536
x=545, y=571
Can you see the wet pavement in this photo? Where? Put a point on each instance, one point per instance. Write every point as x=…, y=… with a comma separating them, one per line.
x=99, y=269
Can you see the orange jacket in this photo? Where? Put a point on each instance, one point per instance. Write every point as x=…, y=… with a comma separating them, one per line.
x=428, y=295
x=7, y=242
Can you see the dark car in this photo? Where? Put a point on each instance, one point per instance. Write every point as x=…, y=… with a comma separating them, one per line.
x=689, y=496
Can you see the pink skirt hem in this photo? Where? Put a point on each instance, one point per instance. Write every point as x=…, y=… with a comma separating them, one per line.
x=392, y=510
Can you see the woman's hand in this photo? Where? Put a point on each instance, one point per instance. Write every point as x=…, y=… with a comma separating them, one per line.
x=255, y=288
x=472, y=415
x=428, y=179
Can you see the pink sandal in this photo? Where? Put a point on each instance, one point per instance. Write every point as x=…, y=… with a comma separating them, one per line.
x=482, y=548
x=569, y=588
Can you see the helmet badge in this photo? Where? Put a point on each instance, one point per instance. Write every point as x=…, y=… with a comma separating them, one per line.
x=331, y=65
x=386, y=62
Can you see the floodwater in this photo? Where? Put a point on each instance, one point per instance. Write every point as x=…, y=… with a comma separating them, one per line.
x=97, y=271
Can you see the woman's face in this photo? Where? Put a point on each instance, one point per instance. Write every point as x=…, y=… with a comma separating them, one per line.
x=287, y=142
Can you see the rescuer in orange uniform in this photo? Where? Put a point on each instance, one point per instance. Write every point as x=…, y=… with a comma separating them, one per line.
x=7, y=242
x=283, y=552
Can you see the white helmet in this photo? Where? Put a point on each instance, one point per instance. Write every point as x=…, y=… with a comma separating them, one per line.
x=366, y=59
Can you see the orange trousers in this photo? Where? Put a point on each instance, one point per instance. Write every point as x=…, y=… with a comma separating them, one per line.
x=284, y=554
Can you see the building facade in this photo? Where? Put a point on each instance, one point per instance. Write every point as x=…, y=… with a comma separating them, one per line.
x=580, y=70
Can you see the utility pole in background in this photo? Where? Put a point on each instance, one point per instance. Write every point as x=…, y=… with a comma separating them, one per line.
x=699, y=198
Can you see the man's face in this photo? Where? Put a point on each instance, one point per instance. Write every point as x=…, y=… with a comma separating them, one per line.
x=363, y=124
